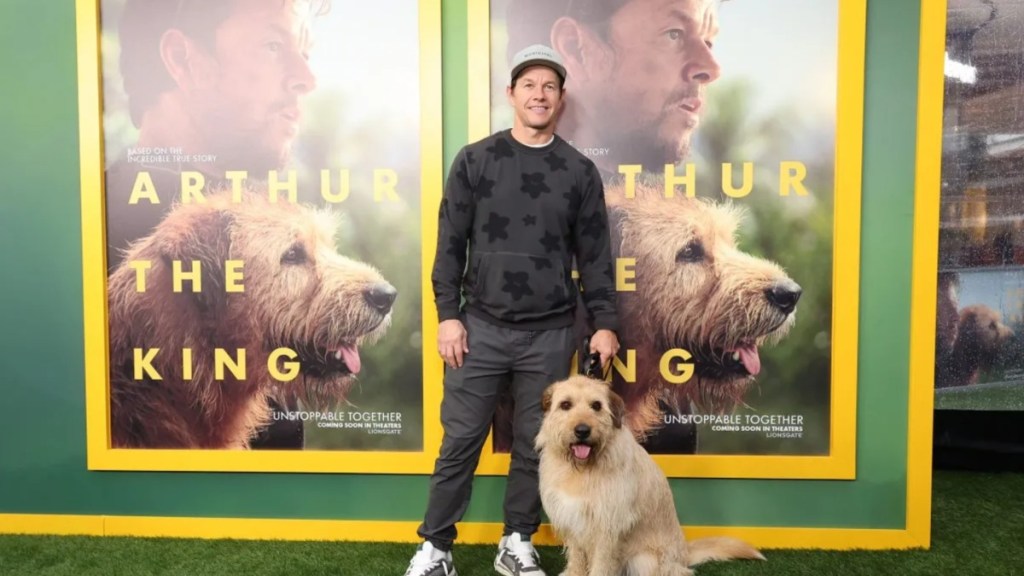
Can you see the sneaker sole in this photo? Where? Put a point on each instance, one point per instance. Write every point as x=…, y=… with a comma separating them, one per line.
x=453, y=572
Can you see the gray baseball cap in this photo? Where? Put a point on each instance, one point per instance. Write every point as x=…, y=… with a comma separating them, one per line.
x=537, y=55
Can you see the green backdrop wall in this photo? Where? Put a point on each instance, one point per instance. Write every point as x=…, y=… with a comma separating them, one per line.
x=42, y=430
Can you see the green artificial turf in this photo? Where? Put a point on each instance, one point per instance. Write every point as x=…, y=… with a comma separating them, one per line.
x=978, y=529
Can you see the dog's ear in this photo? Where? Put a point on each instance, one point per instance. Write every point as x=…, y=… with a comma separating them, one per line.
x=198, y=234
x=545, y=405
x=618, y=408
x=545, y=399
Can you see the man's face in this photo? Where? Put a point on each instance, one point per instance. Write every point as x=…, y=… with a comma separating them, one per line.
x=650, y=98
x=248, y=109
x=536, y=97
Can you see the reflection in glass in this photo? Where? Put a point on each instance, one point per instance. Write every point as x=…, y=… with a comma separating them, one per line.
x=980, y=310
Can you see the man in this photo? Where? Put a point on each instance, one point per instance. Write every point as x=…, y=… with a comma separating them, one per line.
x=212, y=86
x=525, y=203
x=639, y=70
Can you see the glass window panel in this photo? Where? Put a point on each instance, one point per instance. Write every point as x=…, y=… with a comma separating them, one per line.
x=980, y=312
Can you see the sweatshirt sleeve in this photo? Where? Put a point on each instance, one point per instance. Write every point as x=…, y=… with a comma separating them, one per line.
x=594, y=254
x=455, y=220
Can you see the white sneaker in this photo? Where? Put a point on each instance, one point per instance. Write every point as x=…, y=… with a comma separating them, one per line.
x=429, y=561
x=517, y=557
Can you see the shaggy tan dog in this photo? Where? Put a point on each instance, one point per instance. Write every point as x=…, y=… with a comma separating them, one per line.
x=695, y=291
x=300, y=298
x=980, y=335
x=606, y=498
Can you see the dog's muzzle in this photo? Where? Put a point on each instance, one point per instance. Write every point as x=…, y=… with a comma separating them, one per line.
x=581, y=449
x=784, y=295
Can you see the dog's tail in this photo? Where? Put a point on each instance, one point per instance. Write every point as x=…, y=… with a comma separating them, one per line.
x=720, y=548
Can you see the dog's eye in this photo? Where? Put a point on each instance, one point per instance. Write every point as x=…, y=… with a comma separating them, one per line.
x=295, y=255
x=596, y=405
x=565, y=405
x=692, y=252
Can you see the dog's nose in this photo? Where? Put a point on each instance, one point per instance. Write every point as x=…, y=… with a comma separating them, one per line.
x=381, y=296
x=784, y=295
x=582, y=431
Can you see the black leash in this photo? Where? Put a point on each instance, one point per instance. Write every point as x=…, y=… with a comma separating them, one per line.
x=590, y=362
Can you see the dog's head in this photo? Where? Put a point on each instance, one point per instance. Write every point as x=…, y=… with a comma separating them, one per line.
x=981, y=332
x=298, y=292
x=581, y=415
x=695, y=289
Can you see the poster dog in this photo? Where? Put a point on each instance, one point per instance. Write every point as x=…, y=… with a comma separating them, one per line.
x=695, y=290
x=301, y=305
x=606, y=497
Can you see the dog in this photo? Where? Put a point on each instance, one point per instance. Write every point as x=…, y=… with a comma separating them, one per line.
x=605, y=496
x=980, y=335
x=302, y=310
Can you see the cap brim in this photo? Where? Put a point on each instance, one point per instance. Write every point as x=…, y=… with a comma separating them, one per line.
x=560, y=70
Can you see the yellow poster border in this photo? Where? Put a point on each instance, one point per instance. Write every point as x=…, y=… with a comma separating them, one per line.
x=100, y=456
x=840, y=464
x=924, y=268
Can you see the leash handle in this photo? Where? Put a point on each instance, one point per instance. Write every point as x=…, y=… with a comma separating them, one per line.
x=590, y=363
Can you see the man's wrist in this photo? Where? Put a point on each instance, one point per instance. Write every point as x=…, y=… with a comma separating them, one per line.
x=447, y=314
x=606, y=324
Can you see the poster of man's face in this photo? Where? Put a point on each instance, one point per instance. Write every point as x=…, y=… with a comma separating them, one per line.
x=725, y=289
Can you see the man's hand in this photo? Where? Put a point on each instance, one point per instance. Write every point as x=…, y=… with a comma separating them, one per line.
x=452, y=343
x=605, y=343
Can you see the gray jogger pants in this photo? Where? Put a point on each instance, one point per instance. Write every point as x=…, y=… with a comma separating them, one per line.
x=527, y=361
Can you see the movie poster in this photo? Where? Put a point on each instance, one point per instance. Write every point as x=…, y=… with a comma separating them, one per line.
x=262, y=190
x=725, y=115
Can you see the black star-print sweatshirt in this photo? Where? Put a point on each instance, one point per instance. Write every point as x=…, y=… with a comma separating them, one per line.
x=524, y=213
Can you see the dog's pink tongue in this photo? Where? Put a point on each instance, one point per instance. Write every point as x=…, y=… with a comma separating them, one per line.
x=750, y=358
x=350, y=354
x=581, y=451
